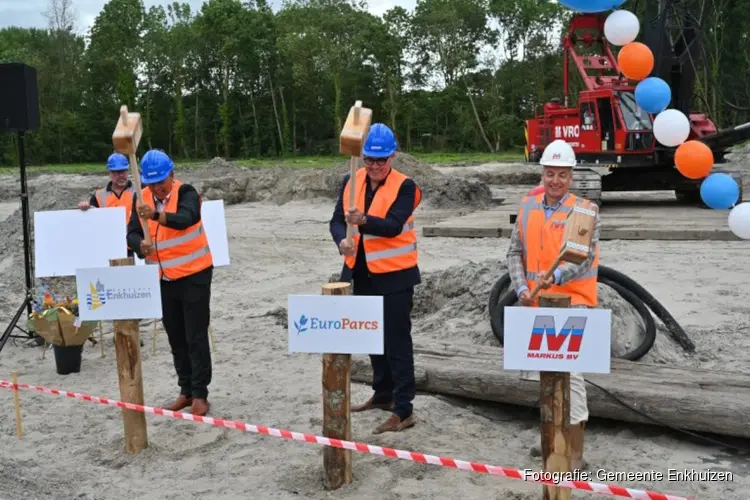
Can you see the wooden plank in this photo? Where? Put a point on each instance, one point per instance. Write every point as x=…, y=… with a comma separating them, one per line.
x=687, y=398
x=618, y=223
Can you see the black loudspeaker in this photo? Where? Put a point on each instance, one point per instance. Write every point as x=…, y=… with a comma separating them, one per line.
x=19, y=98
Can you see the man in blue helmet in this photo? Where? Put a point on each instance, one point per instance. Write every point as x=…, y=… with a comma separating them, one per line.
x=383, y=262
x=180, y=250
x=119, y=192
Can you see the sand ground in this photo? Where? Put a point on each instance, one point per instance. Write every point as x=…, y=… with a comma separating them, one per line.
x=74, y=450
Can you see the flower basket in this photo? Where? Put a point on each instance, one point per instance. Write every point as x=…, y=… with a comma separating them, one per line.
x=61, y=327
x=57, y=322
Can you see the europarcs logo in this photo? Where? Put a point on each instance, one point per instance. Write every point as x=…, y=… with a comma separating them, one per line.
x=99, y=295
x=304, y=324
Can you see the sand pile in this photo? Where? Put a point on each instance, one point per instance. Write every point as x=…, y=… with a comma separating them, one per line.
x=739, y=154
x=498, y=174
x=452, y=306
x=281, y=185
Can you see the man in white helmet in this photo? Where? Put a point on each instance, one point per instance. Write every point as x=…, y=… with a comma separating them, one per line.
x=534, y=246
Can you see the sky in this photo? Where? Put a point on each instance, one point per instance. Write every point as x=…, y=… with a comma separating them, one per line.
x=30, y=13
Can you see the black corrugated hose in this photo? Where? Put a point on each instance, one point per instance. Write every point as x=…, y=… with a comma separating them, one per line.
x=643, y=302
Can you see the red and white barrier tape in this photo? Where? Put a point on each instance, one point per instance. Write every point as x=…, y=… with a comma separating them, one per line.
x=597, y=488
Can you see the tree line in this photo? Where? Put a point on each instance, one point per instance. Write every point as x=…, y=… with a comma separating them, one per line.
x=237, y=80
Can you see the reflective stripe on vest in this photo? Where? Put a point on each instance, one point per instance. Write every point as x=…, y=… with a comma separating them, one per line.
x=180, y=251
x=383, y=255
x=542, y=239
x=178, y=261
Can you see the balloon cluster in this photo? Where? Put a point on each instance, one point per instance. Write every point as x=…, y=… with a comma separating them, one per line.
x=693, y=158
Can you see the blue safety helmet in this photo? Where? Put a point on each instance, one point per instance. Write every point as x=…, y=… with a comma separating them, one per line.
x=155, y=166
x=380, y=142
x=117, y=162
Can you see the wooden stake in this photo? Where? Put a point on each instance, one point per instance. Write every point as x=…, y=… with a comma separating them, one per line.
x=555, y=414
x=128, y=351
x=211, y=337
x=101, y=338
x=153, y=340
x=17, y=404
x=337, y=422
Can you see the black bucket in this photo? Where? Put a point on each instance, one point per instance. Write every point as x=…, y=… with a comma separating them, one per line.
x=68, y=358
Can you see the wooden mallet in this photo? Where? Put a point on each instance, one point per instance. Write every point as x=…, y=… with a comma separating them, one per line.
x=125, y=140
x=579, y=229
x=351, y=142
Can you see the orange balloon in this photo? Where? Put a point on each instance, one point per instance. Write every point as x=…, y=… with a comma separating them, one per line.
x=636, y=61
x=694, y=159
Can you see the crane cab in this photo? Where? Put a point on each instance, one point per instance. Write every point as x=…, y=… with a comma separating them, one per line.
x=606, y=126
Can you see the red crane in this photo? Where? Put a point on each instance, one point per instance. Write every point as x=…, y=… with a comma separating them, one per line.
x=606, y=127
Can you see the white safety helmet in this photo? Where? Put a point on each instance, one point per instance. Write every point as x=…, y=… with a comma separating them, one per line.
x=558, y=153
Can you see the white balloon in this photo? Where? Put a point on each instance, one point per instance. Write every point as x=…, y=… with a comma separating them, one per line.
x=739, y=220
x=671, y=127
x=621, y=27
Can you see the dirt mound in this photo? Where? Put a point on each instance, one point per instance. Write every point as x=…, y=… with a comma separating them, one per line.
x=219, y=163
x=498, y=174
x=739, y=154
x=281, y=185
x=452, y=306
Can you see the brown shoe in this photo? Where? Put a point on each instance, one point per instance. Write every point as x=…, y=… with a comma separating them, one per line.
x=394, y=424
x=200, y=407
x=181, y=402
x=369, y=405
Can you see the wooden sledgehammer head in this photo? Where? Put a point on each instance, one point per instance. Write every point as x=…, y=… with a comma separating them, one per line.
x=356, y=128
x=128, y=132
x=579, y=230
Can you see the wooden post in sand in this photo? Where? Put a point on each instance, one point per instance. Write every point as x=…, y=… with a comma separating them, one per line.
x=555, y=415
x=337, y=422
x=17, y=405
x=128, y=352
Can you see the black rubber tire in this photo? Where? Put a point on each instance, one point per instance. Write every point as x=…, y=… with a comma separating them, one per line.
x=659, y=310
x=501, y=296
x=648, y=320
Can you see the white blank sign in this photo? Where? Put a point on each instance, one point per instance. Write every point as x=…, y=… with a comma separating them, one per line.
x=212, y=215
x=65, y=240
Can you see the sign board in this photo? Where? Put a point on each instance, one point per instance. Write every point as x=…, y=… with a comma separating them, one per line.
x=556, y=339
x=336, y=324
x=212, y=214
x=215, y=224
x=118, y=293
x=65, y=240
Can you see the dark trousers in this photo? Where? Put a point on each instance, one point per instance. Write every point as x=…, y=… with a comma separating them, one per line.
x=186, y=314
x=393, y=372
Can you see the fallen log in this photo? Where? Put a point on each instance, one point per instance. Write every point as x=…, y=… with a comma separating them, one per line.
x=685, y=398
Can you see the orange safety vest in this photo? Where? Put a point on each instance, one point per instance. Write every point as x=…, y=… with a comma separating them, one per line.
x=383, y=255
x=108, y=199
x=177, y=252
x=542, y=240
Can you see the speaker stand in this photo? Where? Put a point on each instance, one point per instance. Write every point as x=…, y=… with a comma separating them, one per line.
x=26, y=304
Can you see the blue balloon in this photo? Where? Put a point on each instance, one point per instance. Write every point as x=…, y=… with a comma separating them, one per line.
x=720, y=191
x=590, y=6
x=653, y=95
